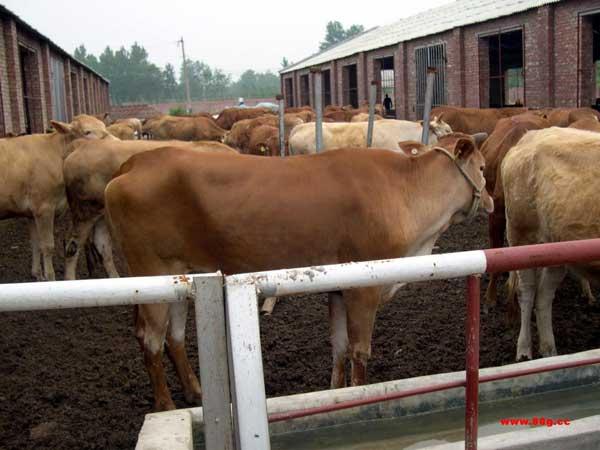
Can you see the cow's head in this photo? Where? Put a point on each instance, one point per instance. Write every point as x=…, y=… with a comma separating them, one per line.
x=82, y=126
x=439, y=127
x=469, y=161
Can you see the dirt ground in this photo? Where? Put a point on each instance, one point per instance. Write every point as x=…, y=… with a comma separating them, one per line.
x=75, y=379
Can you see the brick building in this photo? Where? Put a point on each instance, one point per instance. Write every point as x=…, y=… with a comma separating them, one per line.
x=488, y=53
x=40, y=82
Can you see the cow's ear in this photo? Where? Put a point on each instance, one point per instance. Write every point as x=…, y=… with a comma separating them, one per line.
x=61, y=127
x=479, y=138
x=463, y=148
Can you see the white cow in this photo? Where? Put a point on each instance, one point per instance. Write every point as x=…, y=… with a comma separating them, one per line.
x=386, y=134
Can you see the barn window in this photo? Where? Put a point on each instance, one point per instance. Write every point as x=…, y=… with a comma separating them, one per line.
x=350, y=85
x=59, y=103
x=326, y=87
x=505, y=76
x=289, y=92
x=431, y=56
x=384, y=75
x=31, y=89
x=304, y=90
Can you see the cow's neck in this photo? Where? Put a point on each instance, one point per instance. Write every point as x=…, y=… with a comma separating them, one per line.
x=61, y=144
x=437, y=196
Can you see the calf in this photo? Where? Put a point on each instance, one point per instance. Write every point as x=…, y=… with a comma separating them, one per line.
x=175, y=211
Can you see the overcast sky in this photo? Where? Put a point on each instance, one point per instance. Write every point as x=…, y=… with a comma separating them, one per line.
x=233, y=35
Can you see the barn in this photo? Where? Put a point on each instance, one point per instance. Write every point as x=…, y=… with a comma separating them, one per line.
x=39, y=81
x=488, y=53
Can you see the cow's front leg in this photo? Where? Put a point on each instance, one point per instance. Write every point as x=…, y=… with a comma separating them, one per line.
x=36, y=261
x=550, y=279
x=361, y=309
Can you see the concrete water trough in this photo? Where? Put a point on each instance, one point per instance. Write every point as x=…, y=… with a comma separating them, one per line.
x=432, y=420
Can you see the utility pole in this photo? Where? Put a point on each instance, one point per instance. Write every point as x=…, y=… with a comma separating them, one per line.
x=186, y=77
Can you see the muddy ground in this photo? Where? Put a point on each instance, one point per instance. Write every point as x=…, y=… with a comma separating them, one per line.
x=75, y=379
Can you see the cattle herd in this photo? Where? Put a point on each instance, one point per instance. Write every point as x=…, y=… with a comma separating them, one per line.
x=200, y=193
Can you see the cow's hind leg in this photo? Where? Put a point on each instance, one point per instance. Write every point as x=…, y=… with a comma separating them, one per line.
x=150, y=329
x=44, y=223
x=176, y=351
x=361, y=308
x=550, y=279
x=36, y=261
x=527, y=291
x=79, y=235
x=497, y=227
x=103, y=244
x=339, y=339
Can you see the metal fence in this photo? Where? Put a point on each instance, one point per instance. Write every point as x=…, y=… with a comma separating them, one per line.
x=228, y=325
x=432, y=56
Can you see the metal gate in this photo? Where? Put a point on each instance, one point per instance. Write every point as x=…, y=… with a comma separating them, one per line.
x=431, y=56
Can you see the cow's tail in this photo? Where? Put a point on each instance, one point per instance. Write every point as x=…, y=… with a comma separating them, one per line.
x=512, y=311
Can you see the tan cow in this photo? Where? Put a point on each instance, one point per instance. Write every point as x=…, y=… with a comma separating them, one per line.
x=386, y=134
x=123, y=131
x=133, y=122
x=506, y=135
x=589, y=124
x=364, y=117
x=229, y=116
x=474, y=120
x=33, y=186
x=563, y=117
x=87, y=171
x=388, y=205
x=192, y=128
x=551, y=182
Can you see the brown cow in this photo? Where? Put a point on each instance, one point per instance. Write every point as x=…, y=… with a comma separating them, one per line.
x=589, y=124
x=229, y=116
x=506, y=135
x=239, y=136
x=185, y=129
x=31, y=170
x=474, y=120
x=87, y=171
x=264, y=141
x=563, y=117
x=161, y=199
x=297, y=109
x=123, y=131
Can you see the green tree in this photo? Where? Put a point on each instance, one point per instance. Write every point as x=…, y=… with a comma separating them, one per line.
x=170, y=86
x=335, y=33
x=285, y=63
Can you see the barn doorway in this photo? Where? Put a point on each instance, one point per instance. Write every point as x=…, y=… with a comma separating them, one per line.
x=350, y=85
x=385, y=78
x=289, y=93
x=596, y=58
x=32, y=98
x=506, y=80
x=326, y=87
x=304, y=90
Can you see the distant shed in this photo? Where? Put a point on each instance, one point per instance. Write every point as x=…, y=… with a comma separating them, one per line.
x=488, y=53
x=39, y=81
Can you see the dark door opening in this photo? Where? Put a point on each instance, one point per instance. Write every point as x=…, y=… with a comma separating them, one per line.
x=350, y=85
x=289, y=93
x=326, y=87
x=28, y=68
x=304, y=91
x=506, y=75
x=86, y=96
x=385, y=77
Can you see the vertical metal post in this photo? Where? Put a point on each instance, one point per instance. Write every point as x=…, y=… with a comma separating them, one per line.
x=428, y=103
x=372, y=98
x=472, y=362
x=186, y=78
x=318, y=109
x=247, y=377
x=281, y=103
x=214, y=369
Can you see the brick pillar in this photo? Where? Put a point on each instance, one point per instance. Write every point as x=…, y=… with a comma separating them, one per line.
x=586, y=63
x=361, y=78
x=484, y=73
x=401, y=81
x=15, y=84
x=539, y=59
x=68, y=89
x=455, y=74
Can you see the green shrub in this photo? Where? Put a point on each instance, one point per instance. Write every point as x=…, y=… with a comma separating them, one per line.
x=178, y=111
